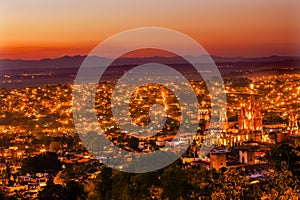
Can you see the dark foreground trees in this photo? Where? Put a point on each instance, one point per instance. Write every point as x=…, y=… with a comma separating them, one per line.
x=174, y=182
x=283, y=153
x=178, y=182
x=44, y=162
x=70, y=191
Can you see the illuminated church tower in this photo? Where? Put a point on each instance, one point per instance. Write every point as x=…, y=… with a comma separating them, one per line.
x=293, y=127
x=250, y=118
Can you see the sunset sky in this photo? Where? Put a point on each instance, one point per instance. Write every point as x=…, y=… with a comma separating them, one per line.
x=32, y=29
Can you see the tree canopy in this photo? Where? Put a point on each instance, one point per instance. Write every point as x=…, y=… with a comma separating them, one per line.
x=41, y=163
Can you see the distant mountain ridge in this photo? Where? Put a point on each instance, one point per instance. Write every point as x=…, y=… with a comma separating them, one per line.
x=63, y=70
x=75, y=61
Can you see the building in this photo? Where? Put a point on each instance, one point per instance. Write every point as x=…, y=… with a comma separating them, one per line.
x=204, y=114
x=246, y=155
x=250, y=119
x=218, y=158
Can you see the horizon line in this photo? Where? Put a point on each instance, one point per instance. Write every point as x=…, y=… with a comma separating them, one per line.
x=78, y=55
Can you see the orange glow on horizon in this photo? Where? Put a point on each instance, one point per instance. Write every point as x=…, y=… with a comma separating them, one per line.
x=47, y=29
x=39, y=52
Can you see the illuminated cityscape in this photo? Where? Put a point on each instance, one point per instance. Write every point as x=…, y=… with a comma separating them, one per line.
x=38, y=121
x=149, y=100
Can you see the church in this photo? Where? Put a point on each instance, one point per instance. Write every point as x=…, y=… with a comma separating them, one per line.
x=250, y=119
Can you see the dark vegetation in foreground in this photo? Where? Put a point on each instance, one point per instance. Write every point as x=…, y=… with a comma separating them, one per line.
x=178, y=181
